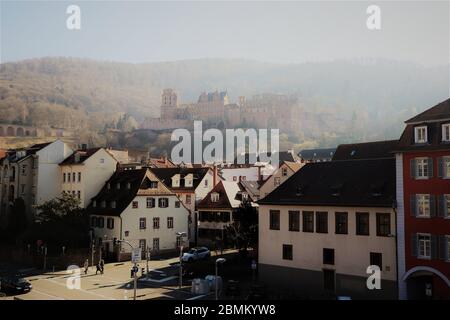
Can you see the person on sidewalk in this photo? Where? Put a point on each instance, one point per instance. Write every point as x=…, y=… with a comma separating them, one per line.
x=99, y=268
x=86, y=266
x=102, y=266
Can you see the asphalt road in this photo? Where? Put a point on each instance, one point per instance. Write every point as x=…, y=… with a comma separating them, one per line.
x=114, y=284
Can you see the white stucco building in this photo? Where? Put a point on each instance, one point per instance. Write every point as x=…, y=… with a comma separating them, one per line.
x=134, y=205
x=85, y=172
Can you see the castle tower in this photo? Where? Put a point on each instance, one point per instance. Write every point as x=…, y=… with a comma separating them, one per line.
x=169, y=101
x=169, y=98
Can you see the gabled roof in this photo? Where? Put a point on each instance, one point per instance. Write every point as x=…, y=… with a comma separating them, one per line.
x=166, y=174
x=367, y=150
x=17, y=155
x=161, y=163
x=441, y=111
x=365, y=183
x=433, y=119
x=139, y=181
x=252, y=188
x=294, y=166
x=122, y=197
x=82, y=155
x=227, y=191
x=40, y=146
x=283, y=156
x=316, y=154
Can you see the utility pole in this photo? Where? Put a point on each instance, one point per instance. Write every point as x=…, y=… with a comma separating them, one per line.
x=135, y=268
x=180, y=236
x=216, y=289
x=92, y=252
x=147, y=257
x=181, y=267
x=45, y=258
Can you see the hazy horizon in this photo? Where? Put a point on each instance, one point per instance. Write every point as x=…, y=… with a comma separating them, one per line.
x=265, y=32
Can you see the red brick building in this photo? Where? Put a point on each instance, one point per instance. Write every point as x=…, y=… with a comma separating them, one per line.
x=423, y=205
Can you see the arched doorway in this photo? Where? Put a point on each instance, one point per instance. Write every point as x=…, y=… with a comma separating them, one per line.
x=10, y=132
x=426, y=283
x=20, y=132
x=2, y=131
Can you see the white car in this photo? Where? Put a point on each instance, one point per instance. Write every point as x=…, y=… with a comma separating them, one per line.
x=196, y=254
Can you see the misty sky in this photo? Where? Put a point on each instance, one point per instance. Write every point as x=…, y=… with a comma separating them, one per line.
x=282, y=32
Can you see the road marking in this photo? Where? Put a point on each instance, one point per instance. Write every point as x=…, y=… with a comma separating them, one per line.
x=83, y=290
x=198, y=297
x=48, y=295
x=158, y=281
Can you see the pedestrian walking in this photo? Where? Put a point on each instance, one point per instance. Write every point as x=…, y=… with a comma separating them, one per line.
x=102, y=266
x=99, y=269
x=86, y=266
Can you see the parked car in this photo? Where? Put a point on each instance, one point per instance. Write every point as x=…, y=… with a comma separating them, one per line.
x=15, y=284
x=195, y=254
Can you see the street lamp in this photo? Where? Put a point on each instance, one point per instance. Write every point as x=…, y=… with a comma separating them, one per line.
x=180, y=235
x=220, y=260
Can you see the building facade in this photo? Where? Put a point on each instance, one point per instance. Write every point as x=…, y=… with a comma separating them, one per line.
x=85, y=172
x=318, y=237
x=423, y=197
x=286, y=170
x=190, y=185
x=135, y=206
x=31, y=174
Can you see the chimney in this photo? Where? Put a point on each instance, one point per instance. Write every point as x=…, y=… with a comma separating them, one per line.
x=77, y=157
x=214, y=175
x=260, y=178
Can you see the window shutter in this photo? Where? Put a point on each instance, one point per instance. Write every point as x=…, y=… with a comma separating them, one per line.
x=434, y=246
x=412, y=168
x=430, y=167
x=442, y=247
x=412, y=205
x=445, y=206
x=432, y=205
x=441, y=206
x=414, y=245
x=440, y=167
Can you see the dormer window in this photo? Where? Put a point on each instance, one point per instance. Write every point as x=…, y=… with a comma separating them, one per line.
x=118, y=186
x=94, y=203
x=188, y=180
x=446, y=132
x=108, y=186
x=284, y=172
x=128, y=185
x=420, y=134
x=113, y=204
x=103, y=204
x=176, y=181
x=214, y=197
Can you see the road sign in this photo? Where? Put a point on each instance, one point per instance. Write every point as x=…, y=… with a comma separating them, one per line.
x=136, y=255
